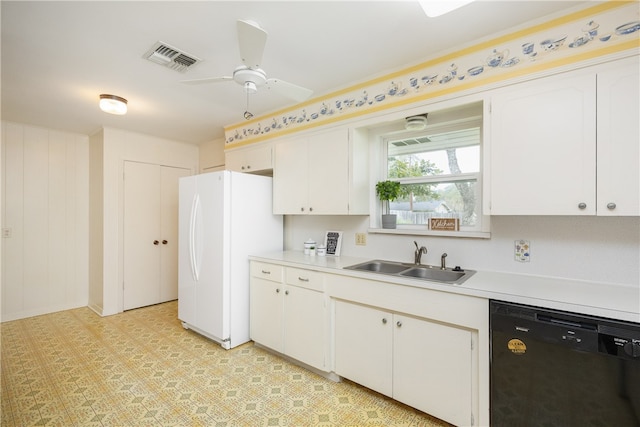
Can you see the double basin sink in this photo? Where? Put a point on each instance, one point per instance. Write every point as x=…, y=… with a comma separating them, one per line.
x=454, y=276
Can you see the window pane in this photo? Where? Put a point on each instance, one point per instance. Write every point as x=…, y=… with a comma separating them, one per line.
x=449, y=153
x=419, y=202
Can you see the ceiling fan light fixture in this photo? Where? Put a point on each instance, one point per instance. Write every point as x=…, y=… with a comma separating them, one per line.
x=113, y=104
x=416, y=122
x=250, y=87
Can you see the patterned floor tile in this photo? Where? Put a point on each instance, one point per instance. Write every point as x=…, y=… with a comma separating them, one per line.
x=142, y=368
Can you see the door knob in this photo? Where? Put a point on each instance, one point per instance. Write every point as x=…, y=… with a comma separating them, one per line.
x=155, y=242
x=164, y=242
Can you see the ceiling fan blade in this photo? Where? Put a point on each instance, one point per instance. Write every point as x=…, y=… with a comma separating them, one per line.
x=297, y=93
x=251, y=40
x=207, y=80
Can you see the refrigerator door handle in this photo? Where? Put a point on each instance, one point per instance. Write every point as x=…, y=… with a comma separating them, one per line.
x=192, y=237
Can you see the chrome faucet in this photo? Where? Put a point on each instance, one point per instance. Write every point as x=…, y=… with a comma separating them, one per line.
x=443, y=263
x=419, y=251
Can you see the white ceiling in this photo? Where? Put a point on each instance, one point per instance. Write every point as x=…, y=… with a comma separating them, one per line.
x=57, y=57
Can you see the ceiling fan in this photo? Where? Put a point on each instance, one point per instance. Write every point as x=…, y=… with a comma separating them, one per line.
x=251, y=40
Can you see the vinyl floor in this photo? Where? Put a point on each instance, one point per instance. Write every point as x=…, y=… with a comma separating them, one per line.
x=141, y=368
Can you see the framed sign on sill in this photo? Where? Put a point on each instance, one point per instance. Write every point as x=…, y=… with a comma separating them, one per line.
x=444, y=224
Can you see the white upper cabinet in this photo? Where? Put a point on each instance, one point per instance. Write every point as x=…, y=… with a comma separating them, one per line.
x=553, y=140
x=318, y=173
x=619, y=139
x=543, y=147
x=256, y=159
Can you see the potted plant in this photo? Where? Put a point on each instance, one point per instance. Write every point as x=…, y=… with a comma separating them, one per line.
x=387, y=191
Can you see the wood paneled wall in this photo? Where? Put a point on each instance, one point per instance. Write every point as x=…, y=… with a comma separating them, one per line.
x=45, y=202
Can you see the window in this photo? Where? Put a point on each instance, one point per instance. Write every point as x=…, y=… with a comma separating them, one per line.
x=439, y=169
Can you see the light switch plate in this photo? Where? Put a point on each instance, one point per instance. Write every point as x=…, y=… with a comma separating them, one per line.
x=522, y=250
x=361, y=239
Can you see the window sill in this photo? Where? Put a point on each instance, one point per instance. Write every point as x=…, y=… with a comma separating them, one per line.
x=417, y=232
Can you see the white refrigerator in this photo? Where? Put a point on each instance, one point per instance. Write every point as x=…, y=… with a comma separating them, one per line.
x=223, y=218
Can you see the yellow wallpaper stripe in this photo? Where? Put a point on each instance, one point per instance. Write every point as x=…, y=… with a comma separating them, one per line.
x=582, y=14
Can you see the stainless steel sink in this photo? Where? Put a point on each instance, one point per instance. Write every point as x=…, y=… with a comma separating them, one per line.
x=383, y=267
x=423, y=272
x=435, y=274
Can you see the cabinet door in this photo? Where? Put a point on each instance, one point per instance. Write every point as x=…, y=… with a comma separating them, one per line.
x=329, y=173
x=235, y=160
x=542, y=159
x=290, y=178
x=363, y=346
x=259, y=159
x=255, y=159
x=619, y=139
x=266, y=312
x=304, y=326
x=432, y=368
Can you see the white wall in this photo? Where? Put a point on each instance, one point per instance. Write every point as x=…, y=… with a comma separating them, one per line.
x=45, y=207
x=212, y=155
x=603, y=249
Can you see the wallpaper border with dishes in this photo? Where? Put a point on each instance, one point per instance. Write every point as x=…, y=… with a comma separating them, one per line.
x=590, y=33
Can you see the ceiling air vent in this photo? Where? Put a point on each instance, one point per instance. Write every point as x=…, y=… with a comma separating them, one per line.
x=168, y=56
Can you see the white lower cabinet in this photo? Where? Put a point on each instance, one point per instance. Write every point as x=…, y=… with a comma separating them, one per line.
x=425, y=364
x=432, y=368
x=363, y=338
x=288, y=312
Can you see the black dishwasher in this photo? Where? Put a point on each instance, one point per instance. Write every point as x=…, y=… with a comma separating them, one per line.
x=552, y=368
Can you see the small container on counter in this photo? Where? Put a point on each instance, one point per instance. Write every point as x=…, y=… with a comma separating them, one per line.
x=321, y=250
x=310, y=243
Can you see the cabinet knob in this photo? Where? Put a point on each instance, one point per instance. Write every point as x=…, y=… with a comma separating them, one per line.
x=582, y=205
x=302, y=209
x=611, y=206
x=286, y=292
x=265, y=272
x=156, y=242
x=310, y=209
x=384, y=321
x=164, y=242
x=248, y=166
x=242, y=167
x=303, y=279
x=277, y=290
x=398, y=324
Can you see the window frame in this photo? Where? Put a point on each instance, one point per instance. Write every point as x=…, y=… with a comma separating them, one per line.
x=482, y=229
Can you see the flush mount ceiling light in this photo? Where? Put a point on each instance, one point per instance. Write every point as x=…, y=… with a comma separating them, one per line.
x=416, y=122
x=433, y=8
x=113, y=104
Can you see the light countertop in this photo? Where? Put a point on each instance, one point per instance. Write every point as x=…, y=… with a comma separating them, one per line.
x=585, y=297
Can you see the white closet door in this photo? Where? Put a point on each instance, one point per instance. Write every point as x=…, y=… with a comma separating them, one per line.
x=150, y=220
x=169, y=231
x=141, y=234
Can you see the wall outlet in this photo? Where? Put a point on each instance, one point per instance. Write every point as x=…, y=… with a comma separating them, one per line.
x=361, y=239
x=522, y=250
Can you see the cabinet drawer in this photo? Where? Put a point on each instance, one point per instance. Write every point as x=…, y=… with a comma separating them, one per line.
x=305, y=278
x=267, y=271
